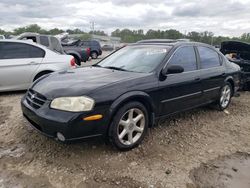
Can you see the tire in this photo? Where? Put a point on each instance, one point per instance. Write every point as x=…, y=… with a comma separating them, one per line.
x=125, y=131
x=77, y=61
x=226, y=93
x=94, y=55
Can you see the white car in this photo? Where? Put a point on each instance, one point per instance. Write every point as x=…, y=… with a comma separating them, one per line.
x=22, y=62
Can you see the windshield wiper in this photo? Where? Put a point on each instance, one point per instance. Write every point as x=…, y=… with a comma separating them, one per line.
x=96, y=65
x=115, y=68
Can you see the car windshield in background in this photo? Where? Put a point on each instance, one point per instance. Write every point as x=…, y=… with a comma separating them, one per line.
x=136, y=58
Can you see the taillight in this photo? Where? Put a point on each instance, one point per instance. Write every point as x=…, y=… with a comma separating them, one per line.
x=88, y=51
x=73, y=62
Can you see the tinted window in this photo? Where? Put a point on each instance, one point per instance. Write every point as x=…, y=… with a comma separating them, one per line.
x=94, y=43
x=44, y=41
x=184, y=57
x=209, y=58
x=36, y=52
x=86, y=43
x=56, y=45
x=29, y=38
x=11, y=50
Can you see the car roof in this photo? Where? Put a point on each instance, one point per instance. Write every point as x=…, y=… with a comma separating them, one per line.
x=171, y=42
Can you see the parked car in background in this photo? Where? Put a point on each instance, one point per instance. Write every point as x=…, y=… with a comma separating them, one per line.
x=23, y=62
x=239, y=53
x=2, y=37
x=127, y=92
x=46, y=40
x=80, y=54
x=107, y=47
x=93, y=45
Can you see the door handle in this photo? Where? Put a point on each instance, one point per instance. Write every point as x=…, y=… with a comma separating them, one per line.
x=197, y=79
x=223, y=74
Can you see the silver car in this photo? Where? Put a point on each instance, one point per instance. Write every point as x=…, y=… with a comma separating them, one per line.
x=22, y=62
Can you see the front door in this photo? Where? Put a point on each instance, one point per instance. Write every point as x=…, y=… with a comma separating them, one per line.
x=183, y=90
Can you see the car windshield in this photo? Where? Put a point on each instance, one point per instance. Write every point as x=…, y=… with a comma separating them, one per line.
x=136, y=58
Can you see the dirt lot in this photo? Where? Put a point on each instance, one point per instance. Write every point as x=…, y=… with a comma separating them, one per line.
x=200, y=148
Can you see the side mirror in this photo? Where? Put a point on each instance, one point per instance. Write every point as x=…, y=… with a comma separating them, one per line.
x=173, y=69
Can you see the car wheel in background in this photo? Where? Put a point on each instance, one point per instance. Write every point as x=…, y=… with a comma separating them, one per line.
x=94, y=55
x=129, y=126
x=225, y=96
x=77, y=61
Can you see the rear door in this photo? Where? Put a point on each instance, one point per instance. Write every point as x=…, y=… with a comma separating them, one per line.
x=181, y=91
x=212, y=72
x=18, y=63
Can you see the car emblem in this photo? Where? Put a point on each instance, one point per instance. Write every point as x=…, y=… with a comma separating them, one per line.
x=33, y=96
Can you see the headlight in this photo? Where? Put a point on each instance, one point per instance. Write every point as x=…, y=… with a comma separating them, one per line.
x=73, y=104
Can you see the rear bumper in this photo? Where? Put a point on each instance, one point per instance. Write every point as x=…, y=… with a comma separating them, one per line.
x=49, y=122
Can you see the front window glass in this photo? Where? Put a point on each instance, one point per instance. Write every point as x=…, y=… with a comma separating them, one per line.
x=136, y=58
x=184, y=57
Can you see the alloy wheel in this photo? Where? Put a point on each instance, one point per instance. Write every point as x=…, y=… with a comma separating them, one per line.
x=131, y=126
x=225, y=96
x=94, y=55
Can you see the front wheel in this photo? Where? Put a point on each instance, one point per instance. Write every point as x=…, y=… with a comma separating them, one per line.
x=129, y=126
x=225, y=96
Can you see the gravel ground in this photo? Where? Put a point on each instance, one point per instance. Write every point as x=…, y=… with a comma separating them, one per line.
x=176, y=153
x=94, y=61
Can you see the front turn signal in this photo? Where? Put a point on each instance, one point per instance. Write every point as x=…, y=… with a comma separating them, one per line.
x=93, y=118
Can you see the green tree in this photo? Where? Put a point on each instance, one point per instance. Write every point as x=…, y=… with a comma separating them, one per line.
x=102, y=33
x=245, y=37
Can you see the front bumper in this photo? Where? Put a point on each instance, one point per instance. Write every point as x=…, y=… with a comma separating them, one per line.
x=49, y=122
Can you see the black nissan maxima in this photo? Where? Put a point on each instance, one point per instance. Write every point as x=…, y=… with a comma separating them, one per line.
x=127, y=92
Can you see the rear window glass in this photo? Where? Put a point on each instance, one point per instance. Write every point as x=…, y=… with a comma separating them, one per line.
x=208, y=57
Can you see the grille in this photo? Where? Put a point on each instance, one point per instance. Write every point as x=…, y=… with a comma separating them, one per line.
x=35, y=99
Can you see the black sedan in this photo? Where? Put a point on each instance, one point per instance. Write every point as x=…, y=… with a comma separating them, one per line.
x=127, y=92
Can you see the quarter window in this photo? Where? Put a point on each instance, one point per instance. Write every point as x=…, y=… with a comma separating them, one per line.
x=209, y=58
x=12, y=50
x=185, y=57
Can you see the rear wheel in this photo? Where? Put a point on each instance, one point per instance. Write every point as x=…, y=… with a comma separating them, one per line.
x=94, y=55
x=225, y=96
x=77, y=61
x=129, y=126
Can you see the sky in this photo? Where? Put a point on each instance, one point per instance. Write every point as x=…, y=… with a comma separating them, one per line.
x=227, y=18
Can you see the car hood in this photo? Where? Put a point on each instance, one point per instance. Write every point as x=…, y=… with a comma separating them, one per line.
x=241, y=48
x=80, y=81
x=236, y=47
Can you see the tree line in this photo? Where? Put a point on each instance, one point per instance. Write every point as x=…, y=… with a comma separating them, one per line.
x=129, y=36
